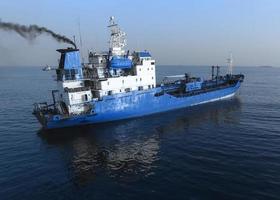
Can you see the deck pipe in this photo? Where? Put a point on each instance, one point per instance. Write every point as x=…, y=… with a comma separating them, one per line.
x=218, y=73
x=213, y=68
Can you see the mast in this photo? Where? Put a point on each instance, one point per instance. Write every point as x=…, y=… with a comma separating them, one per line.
x=117, y=38
x=230, y=64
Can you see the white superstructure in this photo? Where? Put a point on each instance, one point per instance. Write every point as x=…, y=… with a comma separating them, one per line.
x=106, y=73
x=140, y=77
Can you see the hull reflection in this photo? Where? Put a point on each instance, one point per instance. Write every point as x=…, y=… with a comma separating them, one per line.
x=130, y=150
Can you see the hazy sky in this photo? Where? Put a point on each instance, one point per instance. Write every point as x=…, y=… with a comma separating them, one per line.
x=200, y=32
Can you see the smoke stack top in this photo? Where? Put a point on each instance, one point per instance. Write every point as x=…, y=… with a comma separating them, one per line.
x=33, y=31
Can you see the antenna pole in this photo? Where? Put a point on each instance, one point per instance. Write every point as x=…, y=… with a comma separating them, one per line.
x=81, y=43
x=74, y=38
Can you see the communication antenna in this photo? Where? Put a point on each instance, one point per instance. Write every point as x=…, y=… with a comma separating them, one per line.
x=230, y=64
x=74, y=39
x=81, y=42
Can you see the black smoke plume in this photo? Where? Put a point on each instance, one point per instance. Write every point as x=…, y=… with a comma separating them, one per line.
x=32, y=31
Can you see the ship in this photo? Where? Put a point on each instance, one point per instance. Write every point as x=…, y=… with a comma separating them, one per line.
x=47, y=68
x=119, y=84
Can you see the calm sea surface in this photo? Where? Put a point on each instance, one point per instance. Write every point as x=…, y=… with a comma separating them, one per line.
x=224, y=150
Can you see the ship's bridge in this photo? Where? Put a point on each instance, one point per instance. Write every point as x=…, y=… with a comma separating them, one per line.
x=70, y=67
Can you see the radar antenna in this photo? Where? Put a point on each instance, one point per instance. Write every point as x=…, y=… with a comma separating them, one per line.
x=117, y=38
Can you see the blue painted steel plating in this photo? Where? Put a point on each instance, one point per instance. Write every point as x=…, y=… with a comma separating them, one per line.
x=144, y=54
x=72, y=60
x=120, y=63
x=139, y=103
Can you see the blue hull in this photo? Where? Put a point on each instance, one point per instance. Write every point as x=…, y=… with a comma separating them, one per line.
x=140, y=103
